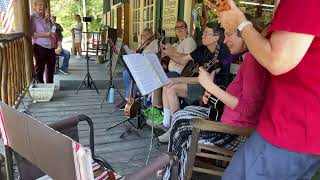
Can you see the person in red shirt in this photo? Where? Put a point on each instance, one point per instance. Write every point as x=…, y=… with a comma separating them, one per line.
x=286, y=144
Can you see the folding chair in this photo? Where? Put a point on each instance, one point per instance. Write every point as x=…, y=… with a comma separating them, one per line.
x=39, y=148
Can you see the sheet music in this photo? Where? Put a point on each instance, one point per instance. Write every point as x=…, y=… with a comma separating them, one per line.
x=146, y=71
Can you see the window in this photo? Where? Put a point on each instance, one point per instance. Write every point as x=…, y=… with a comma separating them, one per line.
x=143, y=12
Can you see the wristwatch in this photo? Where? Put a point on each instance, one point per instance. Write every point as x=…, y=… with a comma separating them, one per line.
x=242, y=25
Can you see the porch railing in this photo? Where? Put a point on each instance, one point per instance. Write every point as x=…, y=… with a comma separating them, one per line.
x=12, y=69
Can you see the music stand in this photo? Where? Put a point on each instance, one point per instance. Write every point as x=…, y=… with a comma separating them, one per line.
x=139, y=116
x=111, y=84
x=88, y=77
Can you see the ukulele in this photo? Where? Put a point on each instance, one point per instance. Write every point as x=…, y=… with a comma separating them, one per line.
x=218, y=5
x=132, y=106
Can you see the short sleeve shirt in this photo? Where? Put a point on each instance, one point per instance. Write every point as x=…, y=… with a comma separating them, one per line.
x=202, y=55
x=186, y=46
x=290, y=117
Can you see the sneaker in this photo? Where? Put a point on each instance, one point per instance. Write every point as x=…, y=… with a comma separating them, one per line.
x=63, y=72
x=121, y=105
x=160, y=174
x=78, y=57
x=164, y=138
x=156, y=125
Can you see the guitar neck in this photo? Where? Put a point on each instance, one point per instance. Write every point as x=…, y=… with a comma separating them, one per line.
x=131, y=89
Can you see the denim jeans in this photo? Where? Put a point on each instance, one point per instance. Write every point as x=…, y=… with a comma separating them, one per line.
x=126, y=81
x=257, y=159
x=66, y=56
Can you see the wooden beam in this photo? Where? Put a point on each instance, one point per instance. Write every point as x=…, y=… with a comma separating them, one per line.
x=22, y=24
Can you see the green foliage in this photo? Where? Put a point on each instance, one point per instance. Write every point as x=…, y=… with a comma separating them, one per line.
x=66, y=9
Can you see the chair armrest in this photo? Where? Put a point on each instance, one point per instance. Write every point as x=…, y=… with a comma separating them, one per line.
x=219, y=127
x=64, y=124
x=152, y=167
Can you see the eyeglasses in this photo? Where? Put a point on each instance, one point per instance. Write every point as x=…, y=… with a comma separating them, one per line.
x=207, y=34
x=180, y=27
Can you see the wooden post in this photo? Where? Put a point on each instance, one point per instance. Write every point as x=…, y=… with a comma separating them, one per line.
x=4, y=82
x=22, y=24
x=126, y=23
x=1, y=64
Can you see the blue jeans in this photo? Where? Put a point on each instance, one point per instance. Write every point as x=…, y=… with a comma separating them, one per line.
x=257, y=159
x=126, y=81
x=66, y=57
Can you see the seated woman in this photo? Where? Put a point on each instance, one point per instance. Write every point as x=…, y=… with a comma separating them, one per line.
x=189, y=87
x=148, y=44
x=243, y=101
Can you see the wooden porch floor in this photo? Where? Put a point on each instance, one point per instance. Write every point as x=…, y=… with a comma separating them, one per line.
x=125, y=155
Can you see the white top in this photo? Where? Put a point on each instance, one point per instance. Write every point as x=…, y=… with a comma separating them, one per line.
x=186, y=46
x=151, y=48
x=78, y=28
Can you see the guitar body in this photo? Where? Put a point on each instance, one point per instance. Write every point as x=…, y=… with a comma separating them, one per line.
x=191, y=69
x=132, y=106
x=164, y=61
x=216, y=108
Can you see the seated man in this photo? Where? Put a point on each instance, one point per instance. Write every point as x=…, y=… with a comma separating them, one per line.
x=60, y=51
x=189, y=87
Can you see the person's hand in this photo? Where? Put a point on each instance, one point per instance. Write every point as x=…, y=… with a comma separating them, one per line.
x=167, y=49
x=205, y=78
x=172, y=81
x=49, y=34
x=58, y=51
x=205, y=97
x=231, y=19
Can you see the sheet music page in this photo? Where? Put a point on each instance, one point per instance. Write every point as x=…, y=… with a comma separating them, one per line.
x=162, y=77
x=146, y=71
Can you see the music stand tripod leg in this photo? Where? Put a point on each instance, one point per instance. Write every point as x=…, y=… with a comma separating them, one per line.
x=92, y=83
x=82, y=83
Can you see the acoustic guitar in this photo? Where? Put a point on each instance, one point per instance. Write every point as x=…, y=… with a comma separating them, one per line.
x=215, y=107
x=191, y=69
x=132, y=106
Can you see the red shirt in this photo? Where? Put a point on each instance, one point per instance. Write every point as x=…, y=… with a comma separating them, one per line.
x=290, y=118
x=249, y=86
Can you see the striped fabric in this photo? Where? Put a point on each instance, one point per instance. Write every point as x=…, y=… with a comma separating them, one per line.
x=180, y=137
x=6, y=15
x=101, y=173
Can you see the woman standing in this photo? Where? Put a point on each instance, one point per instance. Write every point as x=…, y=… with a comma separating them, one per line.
x=77, y=30
x=42, y=42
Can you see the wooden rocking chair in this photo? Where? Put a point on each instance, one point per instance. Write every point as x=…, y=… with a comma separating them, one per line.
x=210, y=152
